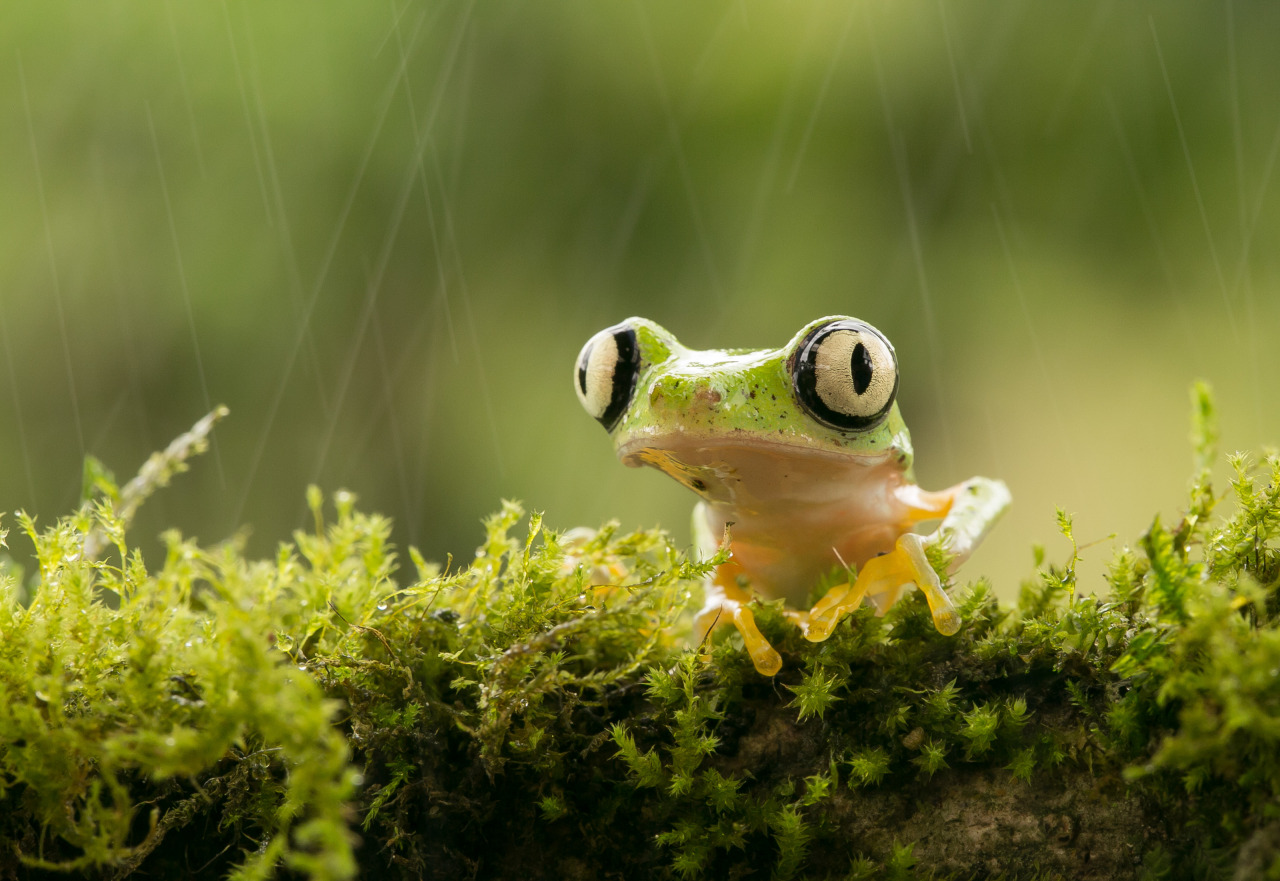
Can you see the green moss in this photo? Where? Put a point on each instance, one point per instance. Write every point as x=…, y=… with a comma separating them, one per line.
x=123, y=687
x=326, y=714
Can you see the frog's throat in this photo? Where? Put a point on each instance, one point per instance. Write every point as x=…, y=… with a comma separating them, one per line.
x=699, y=449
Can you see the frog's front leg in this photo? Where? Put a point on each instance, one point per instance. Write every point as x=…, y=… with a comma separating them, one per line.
x=726, y=601
x=882, y=579
x=972, y=509
x=967, y=511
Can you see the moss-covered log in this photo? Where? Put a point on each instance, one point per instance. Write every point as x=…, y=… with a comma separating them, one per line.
x=535, y=715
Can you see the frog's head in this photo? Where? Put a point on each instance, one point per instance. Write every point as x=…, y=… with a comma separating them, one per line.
x=827, y=396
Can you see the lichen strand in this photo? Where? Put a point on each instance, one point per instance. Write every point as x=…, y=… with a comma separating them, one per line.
x=531, y=715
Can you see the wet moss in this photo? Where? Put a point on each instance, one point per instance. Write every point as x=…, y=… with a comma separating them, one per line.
x=329, y=712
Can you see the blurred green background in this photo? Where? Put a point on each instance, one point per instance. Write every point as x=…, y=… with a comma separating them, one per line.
x=380, y=233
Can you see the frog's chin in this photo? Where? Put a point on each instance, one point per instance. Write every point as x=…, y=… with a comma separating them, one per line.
x=755, y=474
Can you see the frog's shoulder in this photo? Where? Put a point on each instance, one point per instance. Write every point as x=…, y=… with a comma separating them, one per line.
x=900, y=444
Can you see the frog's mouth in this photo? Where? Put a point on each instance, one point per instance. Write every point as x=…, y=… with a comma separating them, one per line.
x=730, y=471
x=711, y=481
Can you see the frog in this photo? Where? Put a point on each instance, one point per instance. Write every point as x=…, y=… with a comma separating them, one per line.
x=801, y=462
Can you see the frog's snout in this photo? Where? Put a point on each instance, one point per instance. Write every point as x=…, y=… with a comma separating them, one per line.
x=677, y=393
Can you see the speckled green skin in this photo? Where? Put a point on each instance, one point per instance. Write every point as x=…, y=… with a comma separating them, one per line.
x=736, y=396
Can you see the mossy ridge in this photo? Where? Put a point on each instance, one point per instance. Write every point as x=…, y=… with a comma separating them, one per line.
x=529, y=715
x=138, y=701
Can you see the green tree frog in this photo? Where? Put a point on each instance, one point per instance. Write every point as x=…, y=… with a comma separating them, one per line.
x=802, y=453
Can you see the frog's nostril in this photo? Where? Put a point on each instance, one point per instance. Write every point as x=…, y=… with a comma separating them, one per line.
x=708, y=396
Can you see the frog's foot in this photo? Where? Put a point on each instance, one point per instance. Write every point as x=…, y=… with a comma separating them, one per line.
x=826, y=614
x=883, y=579
x=606, y=572
x=725, y=602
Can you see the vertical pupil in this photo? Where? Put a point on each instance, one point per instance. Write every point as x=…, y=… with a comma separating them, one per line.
x=861, y=368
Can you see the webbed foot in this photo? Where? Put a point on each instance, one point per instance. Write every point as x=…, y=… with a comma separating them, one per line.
x=883, y=579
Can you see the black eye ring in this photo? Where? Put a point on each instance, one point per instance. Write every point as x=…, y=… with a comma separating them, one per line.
x=845, y=374
x=606, y=373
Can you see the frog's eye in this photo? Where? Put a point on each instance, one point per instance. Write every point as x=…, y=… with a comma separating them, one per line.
x=605, y=377
x=845, y=374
